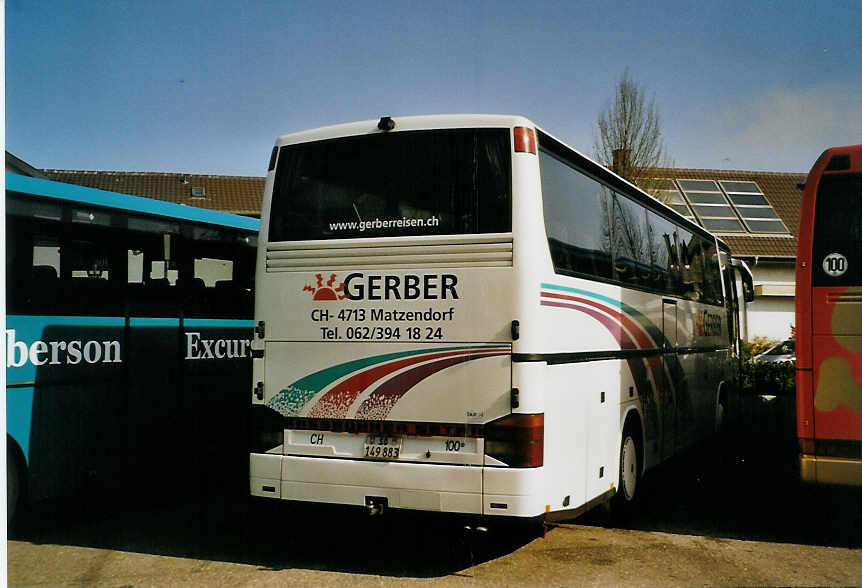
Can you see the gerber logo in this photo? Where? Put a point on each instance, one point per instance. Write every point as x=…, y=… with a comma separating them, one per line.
x=708, y=324
x=358, y=286
x=332, y=290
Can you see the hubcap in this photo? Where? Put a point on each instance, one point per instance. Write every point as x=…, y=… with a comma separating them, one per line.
x=629, y=467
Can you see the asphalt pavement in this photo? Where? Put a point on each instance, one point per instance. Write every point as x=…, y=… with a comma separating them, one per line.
x=731, y=512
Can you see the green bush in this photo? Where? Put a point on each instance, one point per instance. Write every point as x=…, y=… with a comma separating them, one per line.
x=776, y=379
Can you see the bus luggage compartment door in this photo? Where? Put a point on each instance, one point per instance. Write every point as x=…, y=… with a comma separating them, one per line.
x=407, y=419
x=401, y=384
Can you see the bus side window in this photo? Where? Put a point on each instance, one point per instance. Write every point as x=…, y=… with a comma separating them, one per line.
x=211, y=290
x=711, y=272
x=691, y=261
x=631, y=250
x=577, y=219
x=44, y=283
x=662, y=253
x=150, y=278
x=32, y=267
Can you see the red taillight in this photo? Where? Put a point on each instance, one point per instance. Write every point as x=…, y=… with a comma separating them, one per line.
x=518, y=440
x=525, y=140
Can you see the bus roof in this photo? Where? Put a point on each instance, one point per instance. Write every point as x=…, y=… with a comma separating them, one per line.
x=103, y=198
x=846, y=159
x=456, y=121
x=407, y=123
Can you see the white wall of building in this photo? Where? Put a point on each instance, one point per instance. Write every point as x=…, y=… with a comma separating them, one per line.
x=770, y=316
x=772, y=313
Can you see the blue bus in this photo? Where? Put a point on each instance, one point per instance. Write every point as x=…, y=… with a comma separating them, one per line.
x=127, y=344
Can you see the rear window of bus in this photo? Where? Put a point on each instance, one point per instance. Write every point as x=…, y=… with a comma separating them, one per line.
x=440, y=182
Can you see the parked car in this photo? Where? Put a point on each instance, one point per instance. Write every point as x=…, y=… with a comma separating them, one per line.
x=784, y=351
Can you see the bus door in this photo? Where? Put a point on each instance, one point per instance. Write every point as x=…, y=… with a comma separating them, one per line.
x=667, y=396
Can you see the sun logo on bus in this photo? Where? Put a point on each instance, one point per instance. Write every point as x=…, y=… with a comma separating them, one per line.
x=326, y=292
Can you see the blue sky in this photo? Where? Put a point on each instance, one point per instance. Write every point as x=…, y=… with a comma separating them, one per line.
x=206, y=86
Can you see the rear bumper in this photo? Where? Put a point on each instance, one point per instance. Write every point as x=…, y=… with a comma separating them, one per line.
x=477, y=490
x=830, y=470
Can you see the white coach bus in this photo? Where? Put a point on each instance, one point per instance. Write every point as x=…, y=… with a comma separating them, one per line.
x=462, y=314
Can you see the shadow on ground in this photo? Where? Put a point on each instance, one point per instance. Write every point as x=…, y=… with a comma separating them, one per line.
x=745, y=485
x=277, y=536
x=741, y=486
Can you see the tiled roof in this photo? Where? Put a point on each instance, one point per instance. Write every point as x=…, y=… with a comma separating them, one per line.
x=236, y=194
x=244, y=195
x=783, y=192
x=760, y=246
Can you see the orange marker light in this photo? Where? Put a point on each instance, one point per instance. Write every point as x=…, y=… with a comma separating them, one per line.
x=525, y=140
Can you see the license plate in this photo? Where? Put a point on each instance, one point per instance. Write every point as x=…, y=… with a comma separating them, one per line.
x=382, y=447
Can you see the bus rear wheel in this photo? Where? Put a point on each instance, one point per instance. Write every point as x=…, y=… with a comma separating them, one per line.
x=624, y=502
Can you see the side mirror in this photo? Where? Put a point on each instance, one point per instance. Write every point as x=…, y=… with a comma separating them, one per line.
x=746, y=277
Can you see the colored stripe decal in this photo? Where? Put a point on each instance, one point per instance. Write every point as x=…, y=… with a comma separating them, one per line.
x=639, y=323
x=336, y=402
x=610, y=301
x=292, y=399
x=384, y=398
x=614, y=328
x=643, y=340
x=644, y=332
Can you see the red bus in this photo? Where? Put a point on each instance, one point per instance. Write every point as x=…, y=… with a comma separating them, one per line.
x=829, y=320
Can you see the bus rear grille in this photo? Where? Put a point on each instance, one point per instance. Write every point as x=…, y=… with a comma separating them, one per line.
x=494, y=250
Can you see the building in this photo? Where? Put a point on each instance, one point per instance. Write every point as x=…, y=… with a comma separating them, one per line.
x=756, y=213
x=235, y=194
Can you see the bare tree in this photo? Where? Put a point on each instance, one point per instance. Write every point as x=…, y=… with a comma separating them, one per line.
x=629, y=138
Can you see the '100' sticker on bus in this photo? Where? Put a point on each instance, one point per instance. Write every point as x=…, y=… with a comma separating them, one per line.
x=835, y=265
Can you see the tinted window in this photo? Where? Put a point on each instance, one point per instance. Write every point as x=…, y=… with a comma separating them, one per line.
x=631, y=245
x=838, y=230
x=700, y=273
x=597, y=232
x=110, y=263
x=711, y=272
x=577, y=219
x=664, y=260
x=394, y=184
